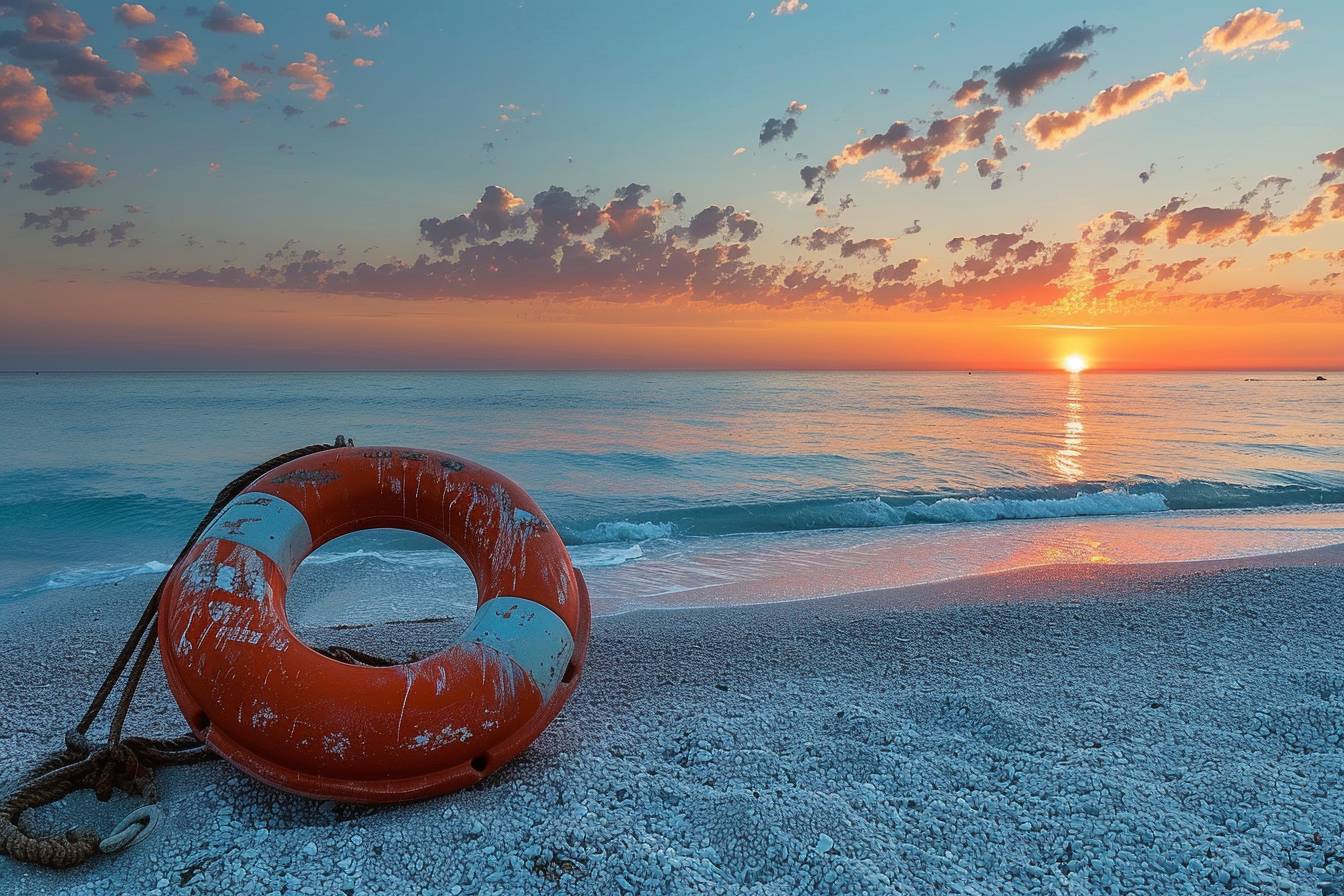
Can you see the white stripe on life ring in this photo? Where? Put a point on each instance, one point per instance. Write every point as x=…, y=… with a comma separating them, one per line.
x=528, y=633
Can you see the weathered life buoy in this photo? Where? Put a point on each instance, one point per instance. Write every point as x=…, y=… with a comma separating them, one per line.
x=304, y=722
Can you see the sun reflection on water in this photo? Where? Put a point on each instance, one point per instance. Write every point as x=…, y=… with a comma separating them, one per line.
x=1067, y=458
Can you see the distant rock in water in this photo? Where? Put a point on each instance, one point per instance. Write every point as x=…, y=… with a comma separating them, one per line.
x=1320, y=379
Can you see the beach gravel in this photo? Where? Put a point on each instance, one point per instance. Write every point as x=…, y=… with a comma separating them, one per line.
x=1168, y=736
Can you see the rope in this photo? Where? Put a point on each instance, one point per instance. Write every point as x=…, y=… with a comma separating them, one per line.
x=125, y=764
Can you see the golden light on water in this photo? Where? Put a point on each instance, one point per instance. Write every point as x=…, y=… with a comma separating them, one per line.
x=1074, y=363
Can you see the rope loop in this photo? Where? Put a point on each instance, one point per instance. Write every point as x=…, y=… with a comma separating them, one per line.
x=121, y=764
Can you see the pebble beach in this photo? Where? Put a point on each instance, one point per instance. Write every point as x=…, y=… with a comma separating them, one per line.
x=1146, y=729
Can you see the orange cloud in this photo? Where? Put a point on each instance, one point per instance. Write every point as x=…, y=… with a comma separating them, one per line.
x=1051, y=130
x=1250, y=31
x=24, y=106
x=133, y=15
x=309, y=75
x=230, y=88
x=166, y=53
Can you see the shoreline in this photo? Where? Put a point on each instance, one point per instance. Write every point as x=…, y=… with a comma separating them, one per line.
x=1155, y=728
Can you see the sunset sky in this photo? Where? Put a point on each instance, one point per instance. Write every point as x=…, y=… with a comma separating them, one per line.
x=815, y=184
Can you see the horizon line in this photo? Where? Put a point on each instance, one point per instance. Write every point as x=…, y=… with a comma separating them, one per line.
x=646, y=370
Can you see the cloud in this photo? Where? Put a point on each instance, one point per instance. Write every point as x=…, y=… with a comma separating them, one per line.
x=49, y=42
x=340, y=30
x=788, y=8
x=361, y=62
x=339, y=122
x=1333, y=162
x=492, y=216
x=83, y=238
x=971, y=89
x=24, y=106
x=739, y=150
x=1002, y=269
x=921, y=154
x=881, y=245
x=133, y=15
x=1176, y=224
x=1145, y=176
x=778, y=128
x=213, y=168
x=166, y=53
x=1255, y=30
x=309, y=75
x=823, y=238
x=222, y=19
x=1271, y=187
x=1051, y=130
x=796, y=108
x=56, y=176
x=713, y=221
x=291, y=111
x=58, y=219
x=1178, y=272
x=46, y=20
x=1047, y=63
x=118, y=235
x=230, y=89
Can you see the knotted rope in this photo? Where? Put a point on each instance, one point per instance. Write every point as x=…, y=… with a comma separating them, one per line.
x=125, y=764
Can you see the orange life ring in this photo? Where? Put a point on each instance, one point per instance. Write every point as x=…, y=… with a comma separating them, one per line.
x=301, y=721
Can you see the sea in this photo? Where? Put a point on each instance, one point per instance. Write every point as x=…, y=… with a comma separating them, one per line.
x=691, y=489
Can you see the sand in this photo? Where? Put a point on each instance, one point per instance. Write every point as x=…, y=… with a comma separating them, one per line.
x=1171, y=729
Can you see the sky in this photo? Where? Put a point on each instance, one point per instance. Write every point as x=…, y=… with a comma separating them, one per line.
x=587, y=185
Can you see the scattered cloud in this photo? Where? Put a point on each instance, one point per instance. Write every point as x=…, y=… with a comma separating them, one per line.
x=970, y=91
x=166, y=53
x=1051, y=130
x=58, y=219
x=1333, y=162
x=361, y=62
x=739, y=150
x=921, y=154
x=1147, y=175
x=823, y=238
x=133, y=15
x=1253, y=31
x=224, y=20
x=119, y=235
x=1047, y=63
x=880, y=245
x=24, y=106
x=788, y=8
x=309, y=75
x=213, y=168
x=52, y=176
x=50, y=42
x=83, y=238
x=338, y=122
x=291, y=111
x=341, y=30
x=230, y=89
x=778, y=129
x=713, y=221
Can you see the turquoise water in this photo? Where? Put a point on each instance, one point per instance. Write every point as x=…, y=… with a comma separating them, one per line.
x=104, y=475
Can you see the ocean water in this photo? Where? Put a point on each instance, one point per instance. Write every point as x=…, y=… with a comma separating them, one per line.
x=699, y=487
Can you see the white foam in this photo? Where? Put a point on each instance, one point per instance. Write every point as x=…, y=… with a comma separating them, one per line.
x=623, y=530
x=82, y=576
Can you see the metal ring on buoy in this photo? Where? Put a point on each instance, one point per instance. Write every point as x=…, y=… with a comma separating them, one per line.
x=309, y=724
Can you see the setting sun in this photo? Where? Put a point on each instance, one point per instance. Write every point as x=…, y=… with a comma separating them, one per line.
x=1074, y=363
